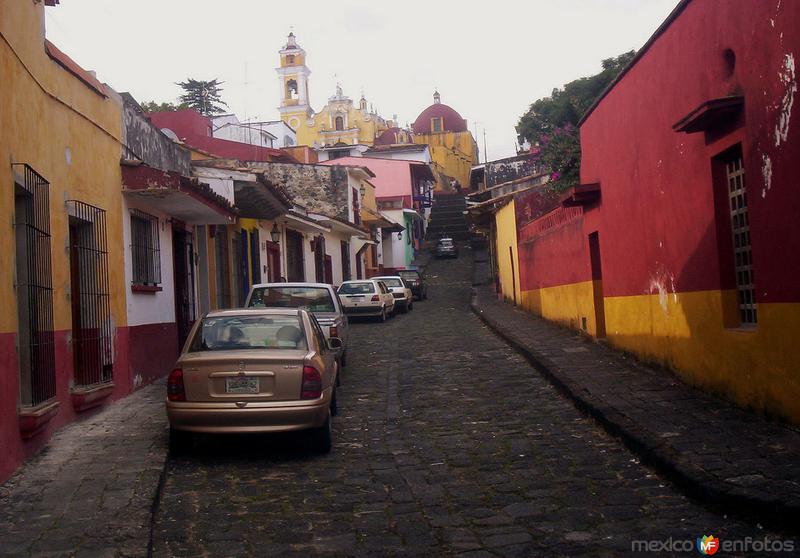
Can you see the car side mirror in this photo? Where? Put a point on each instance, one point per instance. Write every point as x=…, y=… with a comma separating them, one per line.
x=334, y=343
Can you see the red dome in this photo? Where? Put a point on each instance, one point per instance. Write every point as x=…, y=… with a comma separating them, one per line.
x=393, y=136
x=451, y=120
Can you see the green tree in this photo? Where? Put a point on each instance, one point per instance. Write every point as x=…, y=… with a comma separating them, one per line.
x=203, y=96
x=551, y=123
x=152, y=106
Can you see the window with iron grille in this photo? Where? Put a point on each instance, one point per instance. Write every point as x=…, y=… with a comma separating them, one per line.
x=145, y=249
x=92, y=336
x=742, y=253
x=35, y=338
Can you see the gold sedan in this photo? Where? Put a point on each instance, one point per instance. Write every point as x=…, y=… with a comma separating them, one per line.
x=254, y=370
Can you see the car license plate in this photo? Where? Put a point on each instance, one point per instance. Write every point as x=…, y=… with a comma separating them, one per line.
x=241, y=385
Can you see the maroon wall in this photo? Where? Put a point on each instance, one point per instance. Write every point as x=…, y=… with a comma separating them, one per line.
x=13, y=448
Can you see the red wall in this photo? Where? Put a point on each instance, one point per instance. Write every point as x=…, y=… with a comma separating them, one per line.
x=657, y=210
x=656, y=218
x=152, y=345
x=554, y=251
x=153, y=351
x=195, y=129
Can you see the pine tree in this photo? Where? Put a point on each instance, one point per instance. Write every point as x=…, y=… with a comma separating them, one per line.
x=203, y=96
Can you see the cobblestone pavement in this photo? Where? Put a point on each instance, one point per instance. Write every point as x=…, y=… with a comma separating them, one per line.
x=90, y=491
x=733, y=459
x=447, y=442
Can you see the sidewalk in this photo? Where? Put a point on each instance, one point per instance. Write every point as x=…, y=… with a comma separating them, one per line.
x=90, y=491
x=733, y=460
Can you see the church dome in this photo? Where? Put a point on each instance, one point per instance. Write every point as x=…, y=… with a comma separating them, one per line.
x=451, y=121
x=393, y=136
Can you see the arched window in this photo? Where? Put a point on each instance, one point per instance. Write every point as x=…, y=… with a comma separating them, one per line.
x=339, y=123
x=291, y=89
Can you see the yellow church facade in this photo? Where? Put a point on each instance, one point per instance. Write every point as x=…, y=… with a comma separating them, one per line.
x=452, y=147
x=341, y=121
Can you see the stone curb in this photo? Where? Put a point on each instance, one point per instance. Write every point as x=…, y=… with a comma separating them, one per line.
x=698, y=484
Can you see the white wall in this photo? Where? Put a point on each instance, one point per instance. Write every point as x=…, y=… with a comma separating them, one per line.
x=423, y=155
x=149, y=308
x=243, y=133
x=394, y=249
x=220, y=185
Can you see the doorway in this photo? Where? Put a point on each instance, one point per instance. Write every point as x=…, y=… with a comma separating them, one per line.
x=185, y=300
x=597, y=285
x=273, y=262
x=295, y=265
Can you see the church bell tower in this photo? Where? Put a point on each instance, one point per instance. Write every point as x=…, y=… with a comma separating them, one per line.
x=293, y=78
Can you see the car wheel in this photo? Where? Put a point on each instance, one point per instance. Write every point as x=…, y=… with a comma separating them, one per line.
x=410, y=306
x=321, y=438
x=180, y=442
x=404, y=308
x=393, y=313
x=343, y=360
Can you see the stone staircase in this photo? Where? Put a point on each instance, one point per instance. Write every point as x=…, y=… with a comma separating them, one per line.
x=447, y=218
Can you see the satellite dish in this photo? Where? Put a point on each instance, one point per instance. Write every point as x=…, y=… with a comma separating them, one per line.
x=170, y=134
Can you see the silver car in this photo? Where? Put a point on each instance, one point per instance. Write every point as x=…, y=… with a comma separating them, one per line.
x=318, y=298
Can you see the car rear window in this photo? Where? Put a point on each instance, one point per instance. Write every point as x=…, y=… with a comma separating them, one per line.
x=230, y=333
x=314, y=299
x=357, y=288
x=393, y=282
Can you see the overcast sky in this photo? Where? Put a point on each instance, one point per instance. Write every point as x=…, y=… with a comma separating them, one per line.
x=489, y=60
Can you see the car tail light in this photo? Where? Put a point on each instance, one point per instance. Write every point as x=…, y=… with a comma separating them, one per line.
x=175, y=390
x=334, y=331
x=375, y=298
x=312, y=383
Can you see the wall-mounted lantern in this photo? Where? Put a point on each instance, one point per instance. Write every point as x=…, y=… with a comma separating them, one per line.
x=275, y=234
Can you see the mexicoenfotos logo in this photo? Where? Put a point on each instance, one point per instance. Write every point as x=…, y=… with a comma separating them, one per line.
x=707, y=545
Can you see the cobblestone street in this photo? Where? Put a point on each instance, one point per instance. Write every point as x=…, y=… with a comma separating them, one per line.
x=446, y=442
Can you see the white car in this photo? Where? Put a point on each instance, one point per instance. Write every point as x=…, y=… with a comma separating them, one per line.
x=367, y=297
x=401, y=291
x=318, y=298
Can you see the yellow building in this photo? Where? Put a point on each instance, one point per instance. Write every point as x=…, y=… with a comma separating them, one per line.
x=339, y=122
x=506, y=257
x=63, y=331
x=452, y=147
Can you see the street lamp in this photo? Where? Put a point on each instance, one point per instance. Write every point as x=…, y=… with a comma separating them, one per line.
x=275, y=234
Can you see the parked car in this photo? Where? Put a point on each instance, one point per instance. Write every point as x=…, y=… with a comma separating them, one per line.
x=401, y=291
x=367, y=297
x=446, y=248
x=318, y=298
x=254, y=370
x=416, y=281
